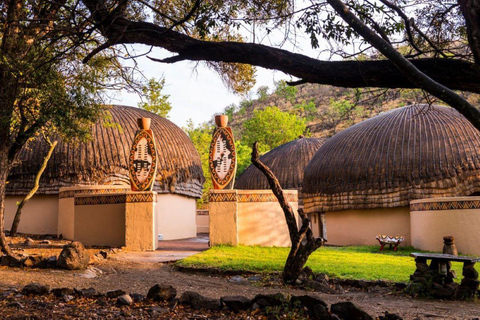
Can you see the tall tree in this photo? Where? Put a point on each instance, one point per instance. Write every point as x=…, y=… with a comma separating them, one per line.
x=156, y=101
x=42, y=82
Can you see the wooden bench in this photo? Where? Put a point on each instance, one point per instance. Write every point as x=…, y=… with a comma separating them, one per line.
x=442, y=263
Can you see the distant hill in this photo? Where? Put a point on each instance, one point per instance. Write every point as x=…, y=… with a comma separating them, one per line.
x=326, y=109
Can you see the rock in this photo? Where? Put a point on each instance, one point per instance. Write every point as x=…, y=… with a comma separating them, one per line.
x=74, y=256
x=35, y=289
x=124, y=300
x=137, y=297
x=470, y=272
x=197, y=301
x=47, y=242
x=443, y=292
x=48, y=238
x=173, y=303
x=115, y=294
x=60, y=292
x=400, y=285
x=381, y=283
x=51, y=262
x=67, y=298
x=87, y=293
x=103, y=254
x=156, y=311
x=349, y=311
x=161, y=293
x=322, y=277
x=11, y=262
x=390, y=316
x=319, y=286
x=254, y=278
x=32, y=262
x=269, y=300
x=236, y=303
x=317, y=307
x=308, y=272
x=236, y=279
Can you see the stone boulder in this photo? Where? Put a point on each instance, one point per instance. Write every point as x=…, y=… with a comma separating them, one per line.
x=318, y=308
x=35, y=289
x=74, y=256
x=161, y=293
x=236, y=303
x=349, y=311
x=198, y=302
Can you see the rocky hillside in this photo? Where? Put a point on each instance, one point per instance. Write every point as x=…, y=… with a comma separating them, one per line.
x=326, y=109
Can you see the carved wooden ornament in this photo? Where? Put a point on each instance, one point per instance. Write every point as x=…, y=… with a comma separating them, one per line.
x=143, y=161
x=223, y=158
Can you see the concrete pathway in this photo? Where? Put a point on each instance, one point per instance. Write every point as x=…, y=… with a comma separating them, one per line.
x=168, y=250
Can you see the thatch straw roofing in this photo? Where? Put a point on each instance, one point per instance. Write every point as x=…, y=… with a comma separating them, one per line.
x=104, y=159
x=287, y=161
x=408, y=153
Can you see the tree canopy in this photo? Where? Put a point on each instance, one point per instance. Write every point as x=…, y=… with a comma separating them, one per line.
x=440, y=46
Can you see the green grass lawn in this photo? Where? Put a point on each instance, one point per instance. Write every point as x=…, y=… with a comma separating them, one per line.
x=361, y=262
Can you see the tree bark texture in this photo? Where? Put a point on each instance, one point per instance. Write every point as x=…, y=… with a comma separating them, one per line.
x=456, y=74
x=36, y=184
x=471, y=12
x=303, y=241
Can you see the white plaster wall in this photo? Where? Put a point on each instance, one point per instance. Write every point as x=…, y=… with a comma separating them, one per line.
x=66, y=217
x=360, y=227
x=429, y=227
x=176, y=216
x=39, y=215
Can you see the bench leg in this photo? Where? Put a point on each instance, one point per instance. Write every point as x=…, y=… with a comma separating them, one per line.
x=470, y=284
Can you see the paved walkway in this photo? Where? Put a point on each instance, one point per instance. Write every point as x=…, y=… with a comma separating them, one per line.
x=168, y=250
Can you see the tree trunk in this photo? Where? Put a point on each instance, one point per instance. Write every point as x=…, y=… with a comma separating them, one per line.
x=36, y=184
x=5, y=248
x=303, y=241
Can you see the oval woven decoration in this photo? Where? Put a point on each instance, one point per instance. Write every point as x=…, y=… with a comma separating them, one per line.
x=222, y=157
x=143, y=161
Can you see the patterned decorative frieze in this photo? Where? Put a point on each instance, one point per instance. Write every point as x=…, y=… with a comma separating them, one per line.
x=140, y=197
x=202, y=213
x=73, y=193
x=445, y=205
x=249, y=197
x=222, y=197
x=98, y=200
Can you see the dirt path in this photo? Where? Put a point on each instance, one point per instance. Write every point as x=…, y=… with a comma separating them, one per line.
x=135, y=277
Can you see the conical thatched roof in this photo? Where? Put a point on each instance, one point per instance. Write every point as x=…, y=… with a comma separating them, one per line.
x=287, y=162
x=408, y=153
x=104, y=159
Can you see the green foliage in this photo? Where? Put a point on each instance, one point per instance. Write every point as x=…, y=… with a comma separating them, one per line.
x=283, y=90
x=156, y=101
x=307, y=110
x=201, y=137
x=244, y=155
x=271, y=127
x=262, y=93
x=362, y=262
x=230, y=110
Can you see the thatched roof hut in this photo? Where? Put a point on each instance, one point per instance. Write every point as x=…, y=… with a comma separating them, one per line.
x=287, y=162
x=413, y=152
x=104, y=160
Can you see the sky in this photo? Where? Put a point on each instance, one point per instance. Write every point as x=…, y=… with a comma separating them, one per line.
x=195, y=94
x=199, y=93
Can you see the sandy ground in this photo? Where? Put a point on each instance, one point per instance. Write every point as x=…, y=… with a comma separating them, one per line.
x=138, y=276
